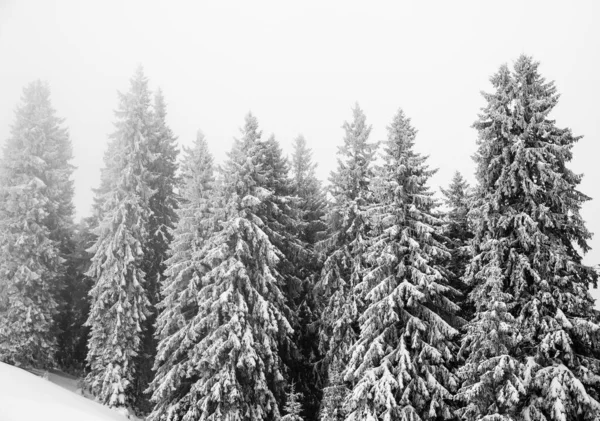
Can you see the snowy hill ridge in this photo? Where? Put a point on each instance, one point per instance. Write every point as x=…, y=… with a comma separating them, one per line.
x=27, y=397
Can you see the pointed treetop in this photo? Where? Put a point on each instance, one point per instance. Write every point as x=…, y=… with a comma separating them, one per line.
x=293, y=406
x=302, y=165
x=250, y=131
x=138, y=87
x=400, y=158
x=139, y=73
x=457, y=192
x=201, y=139
x=355, y=160
x=401, y=134
x=160, y=106
x=357, y=132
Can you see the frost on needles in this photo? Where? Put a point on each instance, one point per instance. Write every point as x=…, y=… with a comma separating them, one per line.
x=533, y=344
x=119, y=302
x=197, y=219
x=36, y=214
x=401, y=363
x=345, y=240
x=237, y=315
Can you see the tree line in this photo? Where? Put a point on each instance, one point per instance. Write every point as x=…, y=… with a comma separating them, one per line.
x=248, y=291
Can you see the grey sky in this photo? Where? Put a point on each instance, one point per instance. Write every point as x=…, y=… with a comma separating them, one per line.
x=300, y=66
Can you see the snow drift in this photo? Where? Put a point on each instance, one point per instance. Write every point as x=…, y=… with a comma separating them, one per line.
x=26, y=397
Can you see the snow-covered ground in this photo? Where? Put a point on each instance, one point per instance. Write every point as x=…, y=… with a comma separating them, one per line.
x=27, y=397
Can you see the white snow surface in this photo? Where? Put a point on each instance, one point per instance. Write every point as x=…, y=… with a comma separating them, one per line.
x=27, y=397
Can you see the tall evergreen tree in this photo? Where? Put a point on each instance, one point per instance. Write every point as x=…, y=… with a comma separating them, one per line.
x=334, y=395
x=119, y=303
x=458, y=231
x=401, y=362
x=281, y=216
x=36, y=211
x=286, y=230
x=163, y=203
x=458, y=200
x=533, y=343
x=345, y=243
x=307, y=187
x=242, y=316
x=311, y=207
x=74, y=302
x=176, y=371
x=162, y=219
x=293, y=405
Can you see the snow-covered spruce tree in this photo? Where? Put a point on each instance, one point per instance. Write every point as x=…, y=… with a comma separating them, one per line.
x=283, y=217
x=59, y=153
x=458, y=230
x=307, y=187
x=108, y=173
x=119, y=303
x=401, y=363
x=174, y=366
x=36, y=211
x=241, y=317
x=75, y=302
x=492, y=383
x=527, y=233
x=491, y=375
x=458, y=200
x=345, y=242
x=163, y=202
x=293, y=405
x=334, y=395
x=311, y=207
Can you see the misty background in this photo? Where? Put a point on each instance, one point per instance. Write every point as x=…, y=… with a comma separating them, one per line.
x=300, y=67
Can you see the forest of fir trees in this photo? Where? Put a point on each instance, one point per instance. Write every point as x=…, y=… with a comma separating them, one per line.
x=248, y=290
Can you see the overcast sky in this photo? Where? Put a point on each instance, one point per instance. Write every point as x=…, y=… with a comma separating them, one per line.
x=299, y=67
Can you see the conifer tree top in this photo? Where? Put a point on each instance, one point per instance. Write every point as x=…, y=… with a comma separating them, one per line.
x=533, y=342
x=355, y=158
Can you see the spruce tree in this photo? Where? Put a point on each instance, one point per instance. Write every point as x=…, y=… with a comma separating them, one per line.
x=287, y=231
x=36, y=211
x=311, y=208
x=242, y=316
x=345, y=242
x=306, y=185
x=174, y=364
x=458, y=199
x=533, y=343
x=401, y=363
x=293, y=406
x=119, y=304
x=74, y=302
x=163, y=202
x=281, y=216
x=334, y=395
